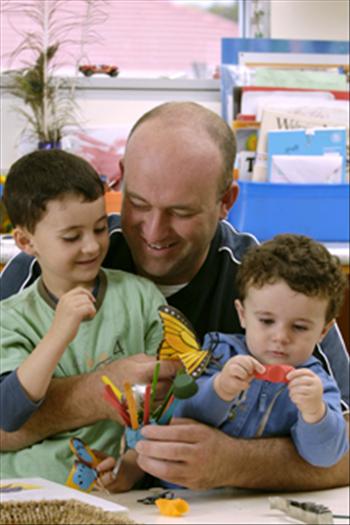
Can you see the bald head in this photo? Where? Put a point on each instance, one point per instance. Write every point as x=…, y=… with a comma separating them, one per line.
x=187, y=118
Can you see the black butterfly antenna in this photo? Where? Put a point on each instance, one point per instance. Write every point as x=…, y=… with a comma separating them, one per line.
x=214, y=341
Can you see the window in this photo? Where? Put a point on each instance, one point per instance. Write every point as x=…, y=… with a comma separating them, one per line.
x=158, y=38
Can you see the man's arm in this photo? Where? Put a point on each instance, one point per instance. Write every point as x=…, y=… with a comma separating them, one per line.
x=77, y=401
x=175, y=453
x=70, y=403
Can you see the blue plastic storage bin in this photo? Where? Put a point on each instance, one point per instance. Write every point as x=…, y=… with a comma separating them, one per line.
x=265, y=209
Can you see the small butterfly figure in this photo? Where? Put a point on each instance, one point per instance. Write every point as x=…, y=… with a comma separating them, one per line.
x=83, y=474
x=180, y=342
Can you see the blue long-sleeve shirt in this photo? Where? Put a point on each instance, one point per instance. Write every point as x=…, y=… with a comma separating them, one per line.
x=15, y=405
x=321, y=444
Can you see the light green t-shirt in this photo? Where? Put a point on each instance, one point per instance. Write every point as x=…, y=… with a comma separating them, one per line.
x=126, y=323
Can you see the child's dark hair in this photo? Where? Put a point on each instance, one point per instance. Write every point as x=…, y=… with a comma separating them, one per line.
x=304, y=264
x=42, y=176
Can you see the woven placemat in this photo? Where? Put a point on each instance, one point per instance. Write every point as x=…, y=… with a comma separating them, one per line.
x=65, y=512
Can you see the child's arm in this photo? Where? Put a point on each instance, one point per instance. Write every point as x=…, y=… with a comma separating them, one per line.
x=36, y=371
x=306, y=391
x=320, y=433
x=236, y=376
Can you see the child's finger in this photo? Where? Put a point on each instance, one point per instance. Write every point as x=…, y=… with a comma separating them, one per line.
x=299, y=372
x=107, y=464
x=257, y=366
x=252, y=365
x=236, y=370
x=303, y=382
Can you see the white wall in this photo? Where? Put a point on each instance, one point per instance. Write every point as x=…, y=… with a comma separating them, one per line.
x=310, y=19
x=109, y=102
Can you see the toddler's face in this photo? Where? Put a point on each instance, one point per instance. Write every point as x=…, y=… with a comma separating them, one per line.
x=282, y=326
x=70, y=243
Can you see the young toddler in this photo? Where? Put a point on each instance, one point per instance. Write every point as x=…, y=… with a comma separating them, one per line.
x=290, y=290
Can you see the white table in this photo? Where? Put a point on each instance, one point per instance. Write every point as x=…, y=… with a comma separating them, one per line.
x=230, y=506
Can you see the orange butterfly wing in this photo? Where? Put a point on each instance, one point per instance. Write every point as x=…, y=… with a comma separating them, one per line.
x=180, y=342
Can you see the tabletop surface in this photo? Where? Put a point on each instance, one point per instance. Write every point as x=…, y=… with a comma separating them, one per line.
x=230, y=506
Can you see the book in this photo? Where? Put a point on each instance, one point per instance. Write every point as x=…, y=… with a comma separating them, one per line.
x=291, y=119
x=246, y=134
x=244, y=164
x=245, y=129
x=313, y=155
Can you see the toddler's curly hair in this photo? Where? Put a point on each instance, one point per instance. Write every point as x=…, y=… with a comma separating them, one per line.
x=304, y=264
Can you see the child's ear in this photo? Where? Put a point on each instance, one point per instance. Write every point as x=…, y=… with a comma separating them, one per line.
x=23, y=240
x=240, y=311
x=326, y=329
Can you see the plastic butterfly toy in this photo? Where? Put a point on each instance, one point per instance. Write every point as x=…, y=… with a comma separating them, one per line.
x=180, y=342
x=83, y=474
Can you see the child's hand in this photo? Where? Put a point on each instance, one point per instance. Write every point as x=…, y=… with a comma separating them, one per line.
x=72, y=308
x=128, y=474
x=236, y=376
x=306, y=391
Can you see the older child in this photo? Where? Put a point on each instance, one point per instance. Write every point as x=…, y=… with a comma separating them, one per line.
x=290, y=290
x=77, y=318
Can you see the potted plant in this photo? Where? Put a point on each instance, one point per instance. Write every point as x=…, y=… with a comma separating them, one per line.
x=49, y=108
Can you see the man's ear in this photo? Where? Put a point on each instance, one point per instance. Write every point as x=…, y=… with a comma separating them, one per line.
x=326, y=329
x=228, y=199
x=24, y=240
x=122, y=169
x=240, y=311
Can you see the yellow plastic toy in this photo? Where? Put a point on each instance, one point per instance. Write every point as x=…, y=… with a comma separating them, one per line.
x=172, y=507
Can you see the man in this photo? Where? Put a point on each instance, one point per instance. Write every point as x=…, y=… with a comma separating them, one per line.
x=177, y=174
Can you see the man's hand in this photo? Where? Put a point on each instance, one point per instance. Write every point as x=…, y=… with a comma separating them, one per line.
x=200, y=457
x=138, y=369
x=306, y=391
x=236, y=376
x=175, y=453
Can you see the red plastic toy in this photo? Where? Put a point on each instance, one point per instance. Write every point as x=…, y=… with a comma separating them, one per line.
x=275, y=373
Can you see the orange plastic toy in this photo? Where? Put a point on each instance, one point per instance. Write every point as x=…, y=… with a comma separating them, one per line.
x=172, y=507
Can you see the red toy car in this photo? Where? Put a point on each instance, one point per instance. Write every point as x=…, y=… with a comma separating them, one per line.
x=91, y=69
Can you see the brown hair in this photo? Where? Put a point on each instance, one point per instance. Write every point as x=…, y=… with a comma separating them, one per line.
x=45, y=175
x=304, y=264
x=199, y=117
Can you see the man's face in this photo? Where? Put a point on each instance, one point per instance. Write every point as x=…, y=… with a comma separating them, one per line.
x=171, y=204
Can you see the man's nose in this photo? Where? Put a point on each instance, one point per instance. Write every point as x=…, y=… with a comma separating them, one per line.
x=155, y=226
